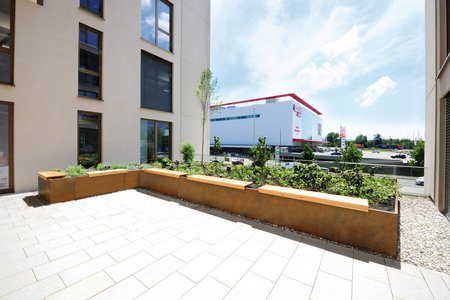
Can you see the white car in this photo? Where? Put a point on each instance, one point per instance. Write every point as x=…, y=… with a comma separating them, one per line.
x=420, y=180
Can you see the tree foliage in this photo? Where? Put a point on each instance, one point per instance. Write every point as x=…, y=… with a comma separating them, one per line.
x=362, y=139
x=206, y=92
x=261, y=152
x=217, y=147
x=418, y=155
x=333, y=139
x=377, y=139
x=351, y=154
x=308, y=153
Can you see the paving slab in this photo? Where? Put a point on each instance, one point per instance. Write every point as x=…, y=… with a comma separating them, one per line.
x=137, y=244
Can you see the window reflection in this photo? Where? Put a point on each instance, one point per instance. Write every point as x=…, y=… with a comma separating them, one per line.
x=6, y=40
x=156, y=21
x=89, y=139
x=155, y=140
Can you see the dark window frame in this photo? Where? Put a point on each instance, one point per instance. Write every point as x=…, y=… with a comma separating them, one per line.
x=144, y=53
x=100, y=62
x=157, y=28
x=10, y=147
x=155, y=149
x=100, y=144
x=88, y=9
x=10, y=51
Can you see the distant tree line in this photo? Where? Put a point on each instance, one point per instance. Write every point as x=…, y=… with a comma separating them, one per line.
x=377, y=141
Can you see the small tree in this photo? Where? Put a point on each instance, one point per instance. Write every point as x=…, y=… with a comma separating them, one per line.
x=261, y=152
x=217, y=147
x=206, y=91
x=188, y=151
x=418, y=155
x=377, y=139
x=308, y=153
x=361, y=139
x=333, y=139
x=351, y=154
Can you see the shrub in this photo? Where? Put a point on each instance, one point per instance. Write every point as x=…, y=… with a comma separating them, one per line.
x=165, y=162
x=351, y=154
x=188, y=151
x=261, y=152
x=311, y=177
x=418, y=155
x=308, y=153
x=77, y=171
x=217, y=148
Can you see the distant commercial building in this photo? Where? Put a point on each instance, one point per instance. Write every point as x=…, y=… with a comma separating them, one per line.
x=285, y=120
x=84, y=82
x=437, y=106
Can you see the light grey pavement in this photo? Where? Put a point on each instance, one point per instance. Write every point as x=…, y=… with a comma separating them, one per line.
x=139, y=245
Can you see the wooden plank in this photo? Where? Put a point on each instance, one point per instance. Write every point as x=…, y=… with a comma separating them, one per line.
x=51, y=174
x=106, y=172
x=164, y=172
x=316, y=197
x=237, y=184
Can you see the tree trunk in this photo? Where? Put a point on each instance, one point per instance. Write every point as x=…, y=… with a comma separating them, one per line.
x=203, y=140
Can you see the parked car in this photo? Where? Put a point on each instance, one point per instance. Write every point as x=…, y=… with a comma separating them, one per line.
x=402, y=156
x=335, y=153
x=375, y=151
x=420, y=180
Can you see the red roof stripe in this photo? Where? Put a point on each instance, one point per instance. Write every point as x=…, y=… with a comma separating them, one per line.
x=304, y=141
x=294, y=96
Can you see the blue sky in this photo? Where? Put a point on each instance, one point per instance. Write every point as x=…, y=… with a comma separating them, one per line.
x=361, y=63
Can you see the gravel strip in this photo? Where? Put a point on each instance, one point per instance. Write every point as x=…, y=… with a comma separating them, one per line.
x=424, y=234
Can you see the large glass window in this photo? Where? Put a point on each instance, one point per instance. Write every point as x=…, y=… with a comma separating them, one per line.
x=155, y=140
x=89, y=75
x=6, y=40
x=89, y=139
x=156, y=23
x=95, y=6
x=156, y=83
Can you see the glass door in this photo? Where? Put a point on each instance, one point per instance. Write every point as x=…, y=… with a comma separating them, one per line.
x=6, y=144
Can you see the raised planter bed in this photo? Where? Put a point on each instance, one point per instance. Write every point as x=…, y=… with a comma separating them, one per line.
x=342, y=219
x=54, y=187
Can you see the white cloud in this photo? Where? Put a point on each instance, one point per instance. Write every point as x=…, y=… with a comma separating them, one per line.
x=146, y=3
x=376, y=90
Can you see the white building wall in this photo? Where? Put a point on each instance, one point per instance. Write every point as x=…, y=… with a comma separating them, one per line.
x=46, y=82
x=274, y=117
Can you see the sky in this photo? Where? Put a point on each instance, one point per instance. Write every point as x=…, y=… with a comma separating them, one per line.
x=361, y=63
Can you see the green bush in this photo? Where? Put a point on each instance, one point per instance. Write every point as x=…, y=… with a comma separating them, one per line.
x=418, y=155
x=308, y=153
x=261, y=152
x=165, y=162
x=188, y=152
x=77, y=171
x=351, y=154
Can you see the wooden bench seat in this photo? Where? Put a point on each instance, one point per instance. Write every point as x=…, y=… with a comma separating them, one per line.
x=316, y=197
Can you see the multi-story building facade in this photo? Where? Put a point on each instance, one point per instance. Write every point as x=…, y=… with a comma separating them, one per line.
x=89, y=81
x=285, y=120
x=437, y=108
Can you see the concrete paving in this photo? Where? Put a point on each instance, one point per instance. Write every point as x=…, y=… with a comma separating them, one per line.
x=135, y=244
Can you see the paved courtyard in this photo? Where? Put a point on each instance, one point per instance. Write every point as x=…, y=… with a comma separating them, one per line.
x=133, y=244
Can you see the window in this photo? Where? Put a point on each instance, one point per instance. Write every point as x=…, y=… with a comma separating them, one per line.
x=155, y=140
x=94, y=6
x=6, y=40
x=156, y=83
x=235, y=118
x=156, y=23
x=319, y=129
x=89, y=138
x=90, y=62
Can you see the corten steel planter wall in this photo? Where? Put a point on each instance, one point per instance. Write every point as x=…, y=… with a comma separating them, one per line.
x=341, y=219
x=161, y=181
x=55, y=189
